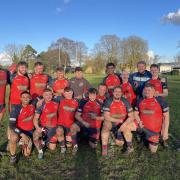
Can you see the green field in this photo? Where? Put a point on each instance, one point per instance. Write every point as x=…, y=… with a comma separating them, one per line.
x=88, y=163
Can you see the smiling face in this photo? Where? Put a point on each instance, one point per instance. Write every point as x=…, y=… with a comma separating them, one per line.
x=149, y=92
x=102, y=90
x=39, y=69
x=125, y=76
x=25, y=99
x=22, y=69
x=68, y=94
x=92, y=96
x=47, y=95
x=141, y=68
x=117, y=93
x=110, y=69
x=79, y=74
x=154, y=71
x=60, y=74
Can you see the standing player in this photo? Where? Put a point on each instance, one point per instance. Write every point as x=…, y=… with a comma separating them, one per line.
x=47, y=114
x=38, y=80
x=67, y=110
x=118, y=115
x=112, y=79
x=60, y=83
x=89, y=120
x=19, y=83
x=152, y=114
x=127, y=88
x=79, y=84
x=21, y=126
x=3, y=82
x=138, y=79
x=102, y=93
x=160, y=84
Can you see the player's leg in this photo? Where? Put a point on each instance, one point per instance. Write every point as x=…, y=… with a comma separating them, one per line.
x=61, y=139
x=52, y=138
x=38, y=143
x=107, y=126
x=127, y=132
x=74, y=129
x=13, y=146
x=119, y=140
x=26, y=145
x=2, y=111
x=94, y=137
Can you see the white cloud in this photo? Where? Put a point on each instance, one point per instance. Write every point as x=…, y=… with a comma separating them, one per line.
x=59, y=10
x=67, y=1
x=172, y=17
x=150, y=54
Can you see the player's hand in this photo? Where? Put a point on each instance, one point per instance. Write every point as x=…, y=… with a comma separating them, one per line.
x=92, y=115
x=39, y=130
x=25, y=139
x=141, y=125
x=156, y=94
x=30, y=75
x=86, y=124
x=135, y=84
x=39, y=103
x=165, y=135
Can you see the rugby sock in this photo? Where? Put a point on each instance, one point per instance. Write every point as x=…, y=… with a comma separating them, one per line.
x=62, y=143
x=74, y=140
x=40, y=151
x=129, y=144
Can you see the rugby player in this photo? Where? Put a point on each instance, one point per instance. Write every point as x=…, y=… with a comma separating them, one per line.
x=66, y=111
x=152, y=114
x=45, y=122
x=112, y=79
x=89, y=119
x=38, y=80
x=118, y=115
x=160, y=84
x=21, y=126
x=60, y=83
x=102, y=93
x=127, y=88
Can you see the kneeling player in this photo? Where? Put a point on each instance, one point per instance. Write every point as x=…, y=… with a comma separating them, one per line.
x=21, y=127
x=118, y=116
x=46, y=131
x=152, y=113
x=89, y=120
x=67, y=110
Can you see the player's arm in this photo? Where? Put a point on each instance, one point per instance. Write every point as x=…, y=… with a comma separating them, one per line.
x=36, y=118
x=78, y=116
x=108, y=117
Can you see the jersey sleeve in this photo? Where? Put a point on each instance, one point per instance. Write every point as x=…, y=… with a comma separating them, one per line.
x=81, y=105
x=127, y=105
x=58, y=99
x=107, y=104
x=39, y=109
x=164, y=83
x=163, y=104
x=137, y=104
x=50, y=79
x=13, y=118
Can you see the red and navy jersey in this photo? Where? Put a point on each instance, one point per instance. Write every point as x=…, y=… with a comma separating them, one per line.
x=118, y=109
x=3, y=83
x=48, y=114
x=89, y=109
x=21, y=118
x=19, y=83
x=128, y=92
x=67, y=110
x=112, y=81
x=38, y=83
x=151, y=112
x=59, y=84
x=159, y=84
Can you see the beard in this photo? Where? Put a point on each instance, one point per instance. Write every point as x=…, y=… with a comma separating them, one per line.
x=116, y=98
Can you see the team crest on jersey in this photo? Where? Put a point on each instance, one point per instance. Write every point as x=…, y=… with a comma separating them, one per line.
x=22, y=88
x=51, y=115
x=28, y=118
x=70, y=109
x=40, y=85
x=2, y=82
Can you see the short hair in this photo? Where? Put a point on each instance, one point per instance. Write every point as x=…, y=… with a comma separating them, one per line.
x=110, y=64
x=117, y=87
x=154, y=66
x=68, y=89
x=47, y=90
x=78, y=69
x=25, y=92
x=102, y=84
x=61, y=69
x=141, y=62
x=22, y=63
x=92, y=91
x=38, y=63
x=149, y=85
